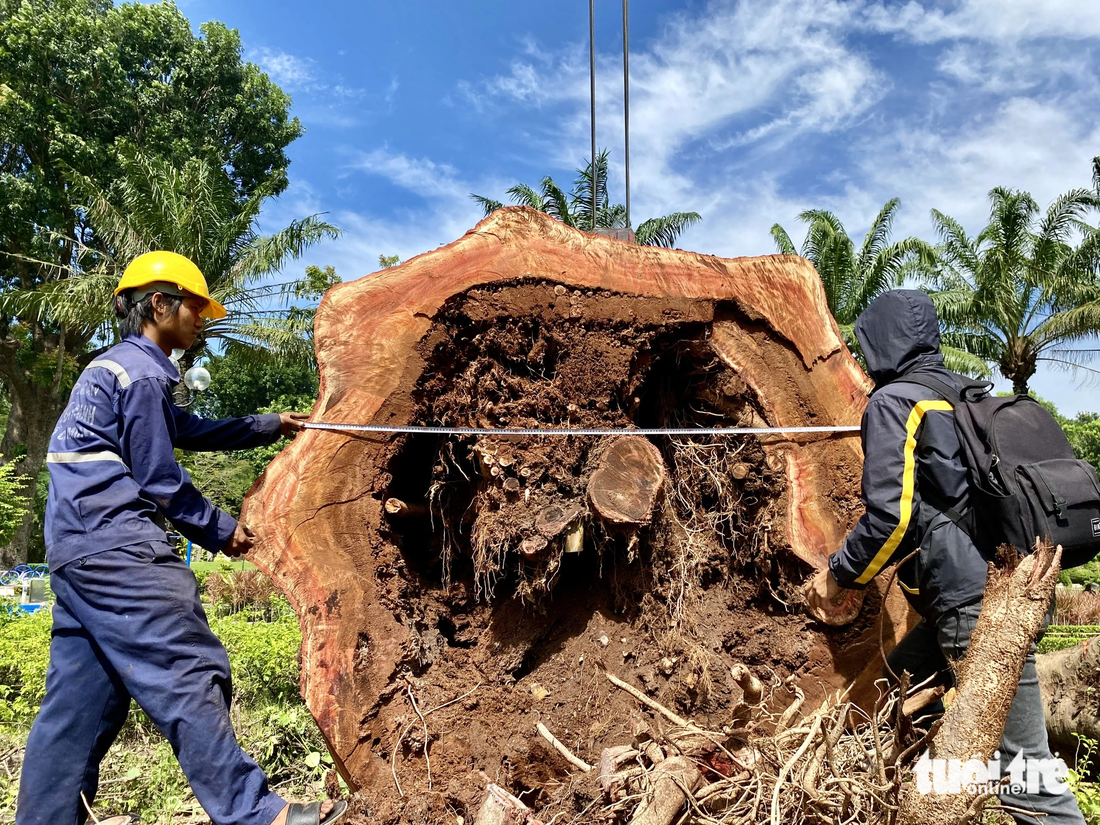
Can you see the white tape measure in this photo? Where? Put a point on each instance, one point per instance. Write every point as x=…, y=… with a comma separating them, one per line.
x=564, y=431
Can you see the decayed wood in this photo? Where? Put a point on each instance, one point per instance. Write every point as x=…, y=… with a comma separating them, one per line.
x=400, y=509
x=1070, y=683
x=624, y=490
x=323, y=532
x=1016, y=600
x=501, y=808
x=670, y=779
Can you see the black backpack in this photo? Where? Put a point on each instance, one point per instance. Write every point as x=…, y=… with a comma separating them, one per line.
x=1025, y=481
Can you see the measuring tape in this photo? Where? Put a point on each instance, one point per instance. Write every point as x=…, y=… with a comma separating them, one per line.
x=674, y=431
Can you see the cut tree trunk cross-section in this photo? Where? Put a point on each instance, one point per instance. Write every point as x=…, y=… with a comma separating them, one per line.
x=513, y=571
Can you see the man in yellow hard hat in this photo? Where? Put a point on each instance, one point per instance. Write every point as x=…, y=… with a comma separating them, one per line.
x=128, y=622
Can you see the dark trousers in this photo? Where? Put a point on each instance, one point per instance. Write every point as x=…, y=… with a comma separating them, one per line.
x=128, y=623
x=926, y=650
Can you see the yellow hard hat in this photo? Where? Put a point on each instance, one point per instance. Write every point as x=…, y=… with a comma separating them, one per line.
x=172, y=269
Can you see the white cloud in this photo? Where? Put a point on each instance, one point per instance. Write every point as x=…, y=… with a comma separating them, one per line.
x=300, y=75
x=750, y=111
x=287, y=70
x=442, y=212
x=988, y=20
x=421, y=176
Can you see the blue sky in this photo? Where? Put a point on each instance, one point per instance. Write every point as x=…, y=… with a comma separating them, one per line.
x=747, y=111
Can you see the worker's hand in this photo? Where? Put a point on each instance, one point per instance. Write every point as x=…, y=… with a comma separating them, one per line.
x=822, y=591
x=830, y=603
x=240, y=542
x=291, y=423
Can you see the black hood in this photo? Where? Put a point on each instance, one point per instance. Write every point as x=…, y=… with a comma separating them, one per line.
x=899, y=332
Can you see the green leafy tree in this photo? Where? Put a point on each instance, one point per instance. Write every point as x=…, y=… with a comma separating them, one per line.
x=575, y=207
x=1083, y=433
x=242, y=383
x=387, y=261
x=84, y=84
x=1025, y=289
x=191, y=209
x=13, y=503
x=854, y=277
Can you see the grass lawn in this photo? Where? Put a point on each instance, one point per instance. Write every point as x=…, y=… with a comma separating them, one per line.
x=221, y=563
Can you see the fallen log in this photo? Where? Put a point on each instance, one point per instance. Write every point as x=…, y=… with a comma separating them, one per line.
x=522, y=561
x=1017, y=597
x=1070, y=683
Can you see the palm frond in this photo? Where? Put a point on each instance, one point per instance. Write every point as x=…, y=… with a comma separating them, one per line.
x=523, y=195
x=271, y=253
x=966, y=363
x=557, y=202
x=665, y=230
x=488, y=205
x=783, y=243
x=876, y=237
x=581, y=196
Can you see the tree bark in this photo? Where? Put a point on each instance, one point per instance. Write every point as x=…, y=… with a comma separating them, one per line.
x=1070, y=682
x=35, y=408
x=1016, y=601
x=525, y=322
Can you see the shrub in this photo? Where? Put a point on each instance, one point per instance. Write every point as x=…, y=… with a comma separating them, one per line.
x=13, y=504
x=1077, y=607
x=1085, y=574
x=264, y=656
x=1059, y=637
x=232, y=591
x=24, y=659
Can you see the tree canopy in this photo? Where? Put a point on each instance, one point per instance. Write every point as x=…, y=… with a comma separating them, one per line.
x=85, y=87
x=853, y=277
x=1025, y=289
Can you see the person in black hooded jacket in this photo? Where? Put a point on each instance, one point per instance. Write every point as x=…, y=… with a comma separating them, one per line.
x=912, y=474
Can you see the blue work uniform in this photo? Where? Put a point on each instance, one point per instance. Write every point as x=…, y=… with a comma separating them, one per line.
x=912, y=473
x=128, y=622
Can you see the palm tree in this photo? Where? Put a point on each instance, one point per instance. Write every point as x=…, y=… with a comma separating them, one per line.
x=193, y=210
x=1026, y=288
x=575, y=208
x=853, y=278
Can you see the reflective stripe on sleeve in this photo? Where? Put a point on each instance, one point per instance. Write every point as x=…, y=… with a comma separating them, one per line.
x=114, y=367
x=82, y=458
x=908, y=483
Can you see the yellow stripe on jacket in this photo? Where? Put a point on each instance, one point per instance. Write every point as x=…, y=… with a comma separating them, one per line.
x=908, y=484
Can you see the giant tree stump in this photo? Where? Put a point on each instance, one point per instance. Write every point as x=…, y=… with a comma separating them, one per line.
x=688, y=553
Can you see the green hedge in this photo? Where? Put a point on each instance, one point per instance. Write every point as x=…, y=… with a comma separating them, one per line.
x=264, y=657
x=1059, y=637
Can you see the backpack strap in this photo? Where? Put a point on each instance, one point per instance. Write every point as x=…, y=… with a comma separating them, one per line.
x=941, y=388
x=963, y=519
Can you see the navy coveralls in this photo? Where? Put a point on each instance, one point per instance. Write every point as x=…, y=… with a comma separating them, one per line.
x=128, y=622
x=911, y=471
